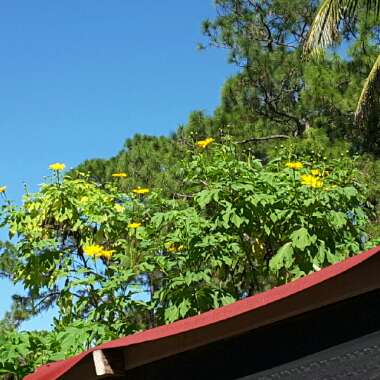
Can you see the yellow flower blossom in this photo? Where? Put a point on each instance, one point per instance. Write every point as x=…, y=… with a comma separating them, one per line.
x=121, y=175
x=316, y=172
x=204, y=143
x=57, y=166
x=295, y=165
x=134, y=225
x=173, y=248
x=141, y=191
x=119, y=208
x=107, y=254
x=84, y=199
x=98, y=251
x=170, y=247
x=93, y=250
x=3, y=189
x=310, y=180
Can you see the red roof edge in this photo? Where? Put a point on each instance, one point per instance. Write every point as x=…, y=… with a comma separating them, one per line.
x=55, y=370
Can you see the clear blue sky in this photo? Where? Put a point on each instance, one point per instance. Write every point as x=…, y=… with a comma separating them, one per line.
x=78, y=77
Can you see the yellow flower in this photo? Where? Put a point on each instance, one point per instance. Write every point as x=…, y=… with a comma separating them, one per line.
x=98, y=251
x=204, y=143
x=295, y=165
x=93, y=250
x=134, y=225
x=3, y=189
x=119, y=208
x=171, y=247
x=107, y=254
x=316, y=172
x=57, y=166
x=141, y=191
x=310, y=180
x=121, y=174
x=84, y=199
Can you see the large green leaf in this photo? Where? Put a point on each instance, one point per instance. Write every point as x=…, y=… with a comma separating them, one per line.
x=284, y=258
x=302, y=239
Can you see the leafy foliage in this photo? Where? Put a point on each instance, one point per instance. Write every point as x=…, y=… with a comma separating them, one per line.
x=249, y=226
x=115, y=262
x=54, y=226
x=173, y=226
x=22, y=352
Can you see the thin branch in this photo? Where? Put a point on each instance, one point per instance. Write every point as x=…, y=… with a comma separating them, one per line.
x=254, y=139
x=185, y=196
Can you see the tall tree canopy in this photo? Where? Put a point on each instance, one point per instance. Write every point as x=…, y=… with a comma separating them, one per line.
x=275, y=91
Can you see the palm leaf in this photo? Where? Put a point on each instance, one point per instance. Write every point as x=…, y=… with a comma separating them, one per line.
x=325, y=28
x=369, y=101
x=325, y=31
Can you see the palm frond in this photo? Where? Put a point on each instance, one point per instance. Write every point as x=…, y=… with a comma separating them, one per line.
x=373, y=6
x=325, y=28
x=369, y=101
